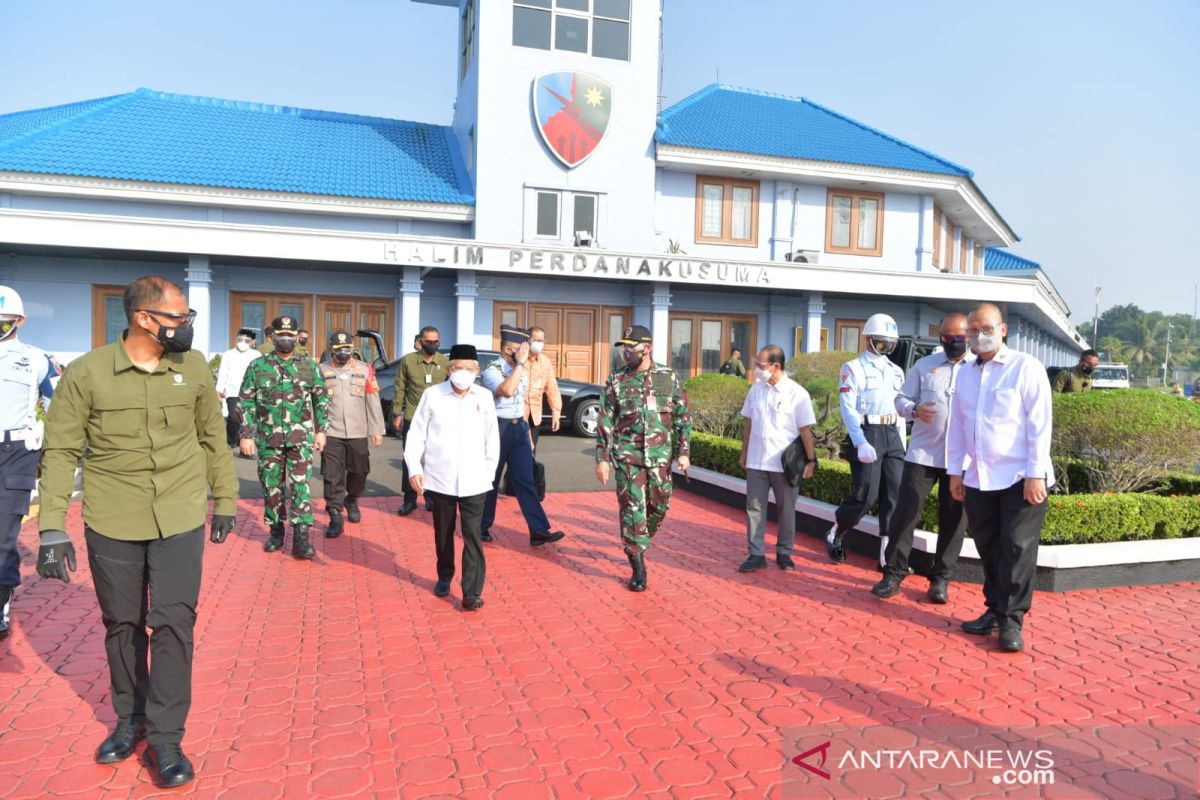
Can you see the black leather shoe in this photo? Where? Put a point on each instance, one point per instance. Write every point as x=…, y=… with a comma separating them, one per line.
x=886, y=588
x=637, y=581
x=168, y=766
x=408, y=507
x=753, y=563
x=486, y=536
x=336, y=524
x=939, y=590
x=785, y=563
x=441, y=588
x=1010, y=638
x=834, y=549
x=352, y=512
x=982, y=626
x=120, y=743
x=5, y=601
x=275, y=542
x=472, y=603
x=539, y=539
x=301, y=549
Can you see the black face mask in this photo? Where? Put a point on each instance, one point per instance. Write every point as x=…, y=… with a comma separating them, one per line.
x=284, y=344
x=954, y=348
x=633, y=357
x=1087, y=370
x=302, y=342
x=341, y=356
x=429, y=348
x=177, y=339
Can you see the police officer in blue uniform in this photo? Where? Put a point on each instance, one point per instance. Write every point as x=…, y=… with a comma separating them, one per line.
x=27, y=377
x=506, y=378
x=867, y=387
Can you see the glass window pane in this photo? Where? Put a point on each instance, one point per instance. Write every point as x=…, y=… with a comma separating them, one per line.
x=616, y=328
x=868, y=218
x=293, y=310
x=711, y=213
x=610, y=39
x=681, y=346
x=570, y=33
x=538, y=3
x=574, y=5
x=850, y=336
x=531, y=28
x=585, y=214
x=841, y=222
x=617, y=9
x=547, y=214
x=739, y=337
x=509, y=317
x=710, y=345
x=743, y=209
x=254, y=317
x=114, y=318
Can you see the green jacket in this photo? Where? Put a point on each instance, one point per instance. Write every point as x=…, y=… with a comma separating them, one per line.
x=155, y=444
x=1072, y=380
x=413, y=376
x=644, y=418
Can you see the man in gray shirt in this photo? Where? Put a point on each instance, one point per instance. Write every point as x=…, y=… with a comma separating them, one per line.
x=925, y=399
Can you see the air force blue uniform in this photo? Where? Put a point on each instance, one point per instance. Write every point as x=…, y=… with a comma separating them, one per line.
x=516, y=451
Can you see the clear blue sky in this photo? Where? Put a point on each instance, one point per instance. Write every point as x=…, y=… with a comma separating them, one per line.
x=1080, y=119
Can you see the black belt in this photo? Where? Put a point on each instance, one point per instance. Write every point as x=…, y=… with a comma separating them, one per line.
x=516, y=421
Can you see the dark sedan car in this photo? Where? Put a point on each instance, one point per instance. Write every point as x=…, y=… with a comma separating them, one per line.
x=581, y=401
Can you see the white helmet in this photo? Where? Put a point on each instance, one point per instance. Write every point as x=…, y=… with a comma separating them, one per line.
x=10, y=302
x=882, y=334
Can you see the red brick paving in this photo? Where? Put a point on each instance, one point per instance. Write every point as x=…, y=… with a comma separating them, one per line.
x=346, y=677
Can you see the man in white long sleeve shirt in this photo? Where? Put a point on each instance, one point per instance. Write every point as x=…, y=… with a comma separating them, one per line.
x=998, y=457
x=229, y=380
x=926, y=398
x=451, y=450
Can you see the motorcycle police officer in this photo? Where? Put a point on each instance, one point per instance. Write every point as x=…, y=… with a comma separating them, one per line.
x=27, y=377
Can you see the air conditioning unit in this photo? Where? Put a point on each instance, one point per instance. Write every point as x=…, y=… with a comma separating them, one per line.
x=802, y=256
x=583, y=239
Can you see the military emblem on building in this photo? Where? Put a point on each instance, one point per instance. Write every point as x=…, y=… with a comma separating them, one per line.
x=572, y=111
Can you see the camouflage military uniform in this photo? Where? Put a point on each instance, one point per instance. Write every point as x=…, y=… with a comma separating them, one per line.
x=283, y=404
x=645, y=423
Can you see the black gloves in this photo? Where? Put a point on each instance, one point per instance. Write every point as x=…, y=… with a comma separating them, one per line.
x=222, y=524
x=56, y=555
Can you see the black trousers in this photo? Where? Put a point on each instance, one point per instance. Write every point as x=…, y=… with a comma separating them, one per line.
x=470, y=509
x=18, y=473
x=151, y=583
x=1006, y=530
x=233, y=422
x=410, y=494
x=877, y=481
x=915, y=485
x=345, y=464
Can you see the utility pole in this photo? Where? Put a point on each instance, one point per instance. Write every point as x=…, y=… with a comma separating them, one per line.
x=1167, y=357
x=1096, y=319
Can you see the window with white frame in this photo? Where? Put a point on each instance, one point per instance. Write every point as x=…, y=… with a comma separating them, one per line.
x=546, y=222
x=466, y=38
x=586, y=208
x=598, y=27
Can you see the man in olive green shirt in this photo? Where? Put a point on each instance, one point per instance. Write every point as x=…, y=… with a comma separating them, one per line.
x=1079, y=377
x=146, y=410
x=417, y=372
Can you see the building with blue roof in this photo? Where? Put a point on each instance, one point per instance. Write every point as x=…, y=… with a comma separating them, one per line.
x=559, y=195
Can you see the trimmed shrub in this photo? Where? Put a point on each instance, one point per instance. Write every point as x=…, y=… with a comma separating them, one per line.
x=819, y=373
x=716, y=404
x=1127, y=441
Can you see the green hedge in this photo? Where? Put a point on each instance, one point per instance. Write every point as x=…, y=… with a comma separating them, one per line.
x=1070, y=519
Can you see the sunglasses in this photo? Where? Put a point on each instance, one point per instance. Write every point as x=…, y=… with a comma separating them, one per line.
x=954, y=339
x=187, y=318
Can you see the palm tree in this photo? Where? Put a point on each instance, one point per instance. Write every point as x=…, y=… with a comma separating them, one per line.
x=1143, y=352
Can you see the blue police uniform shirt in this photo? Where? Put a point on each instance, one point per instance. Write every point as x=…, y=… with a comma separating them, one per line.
x=506, y=407
x=868, y=387
x=27, y=375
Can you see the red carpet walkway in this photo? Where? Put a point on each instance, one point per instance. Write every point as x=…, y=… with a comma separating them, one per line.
x=346, y=677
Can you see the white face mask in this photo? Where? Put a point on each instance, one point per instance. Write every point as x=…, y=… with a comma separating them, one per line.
x=242, y=347
x=462, y=378
x=536, y=347
x=764, y=374
x=983, y=343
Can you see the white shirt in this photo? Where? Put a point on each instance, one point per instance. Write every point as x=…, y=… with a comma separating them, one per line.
x=868, y=386
x=454, y=441
x=233, y=368
x=776, y=414
x=1000, y=423
x=931, y=380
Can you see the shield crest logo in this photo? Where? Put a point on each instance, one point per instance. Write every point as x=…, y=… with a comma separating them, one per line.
x=572, y=111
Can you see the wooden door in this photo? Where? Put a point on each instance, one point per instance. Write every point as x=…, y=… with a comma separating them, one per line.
x=255, y=311
x=549, y=319
x=578, y=344
x=352, y=314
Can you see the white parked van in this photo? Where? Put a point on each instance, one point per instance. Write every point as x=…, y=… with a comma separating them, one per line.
x=1111, y=376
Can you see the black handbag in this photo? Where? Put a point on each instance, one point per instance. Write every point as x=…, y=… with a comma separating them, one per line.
x=539, y=481
x=794, y=461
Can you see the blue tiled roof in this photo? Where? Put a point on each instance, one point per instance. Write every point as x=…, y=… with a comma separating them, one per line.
x=997, y=260
x=744, y=121
x=169, y=138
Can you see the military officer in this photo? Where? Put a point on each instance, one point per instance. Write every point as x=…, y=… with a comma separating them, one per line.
x=144, y=410
x=27, y=377
x=868, y=386
x=644, y=424
x=302, y=343
x=355, y=414
x=1079, y=377
x=284, y=417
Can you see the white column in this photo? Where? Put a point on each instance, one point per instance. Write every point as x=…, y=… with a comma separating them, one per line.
x=925, y=235
x=970, y=256
x=812, y=326
x=466, y=290
x=660, y=320
x=410, y=309
x=199, y=279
